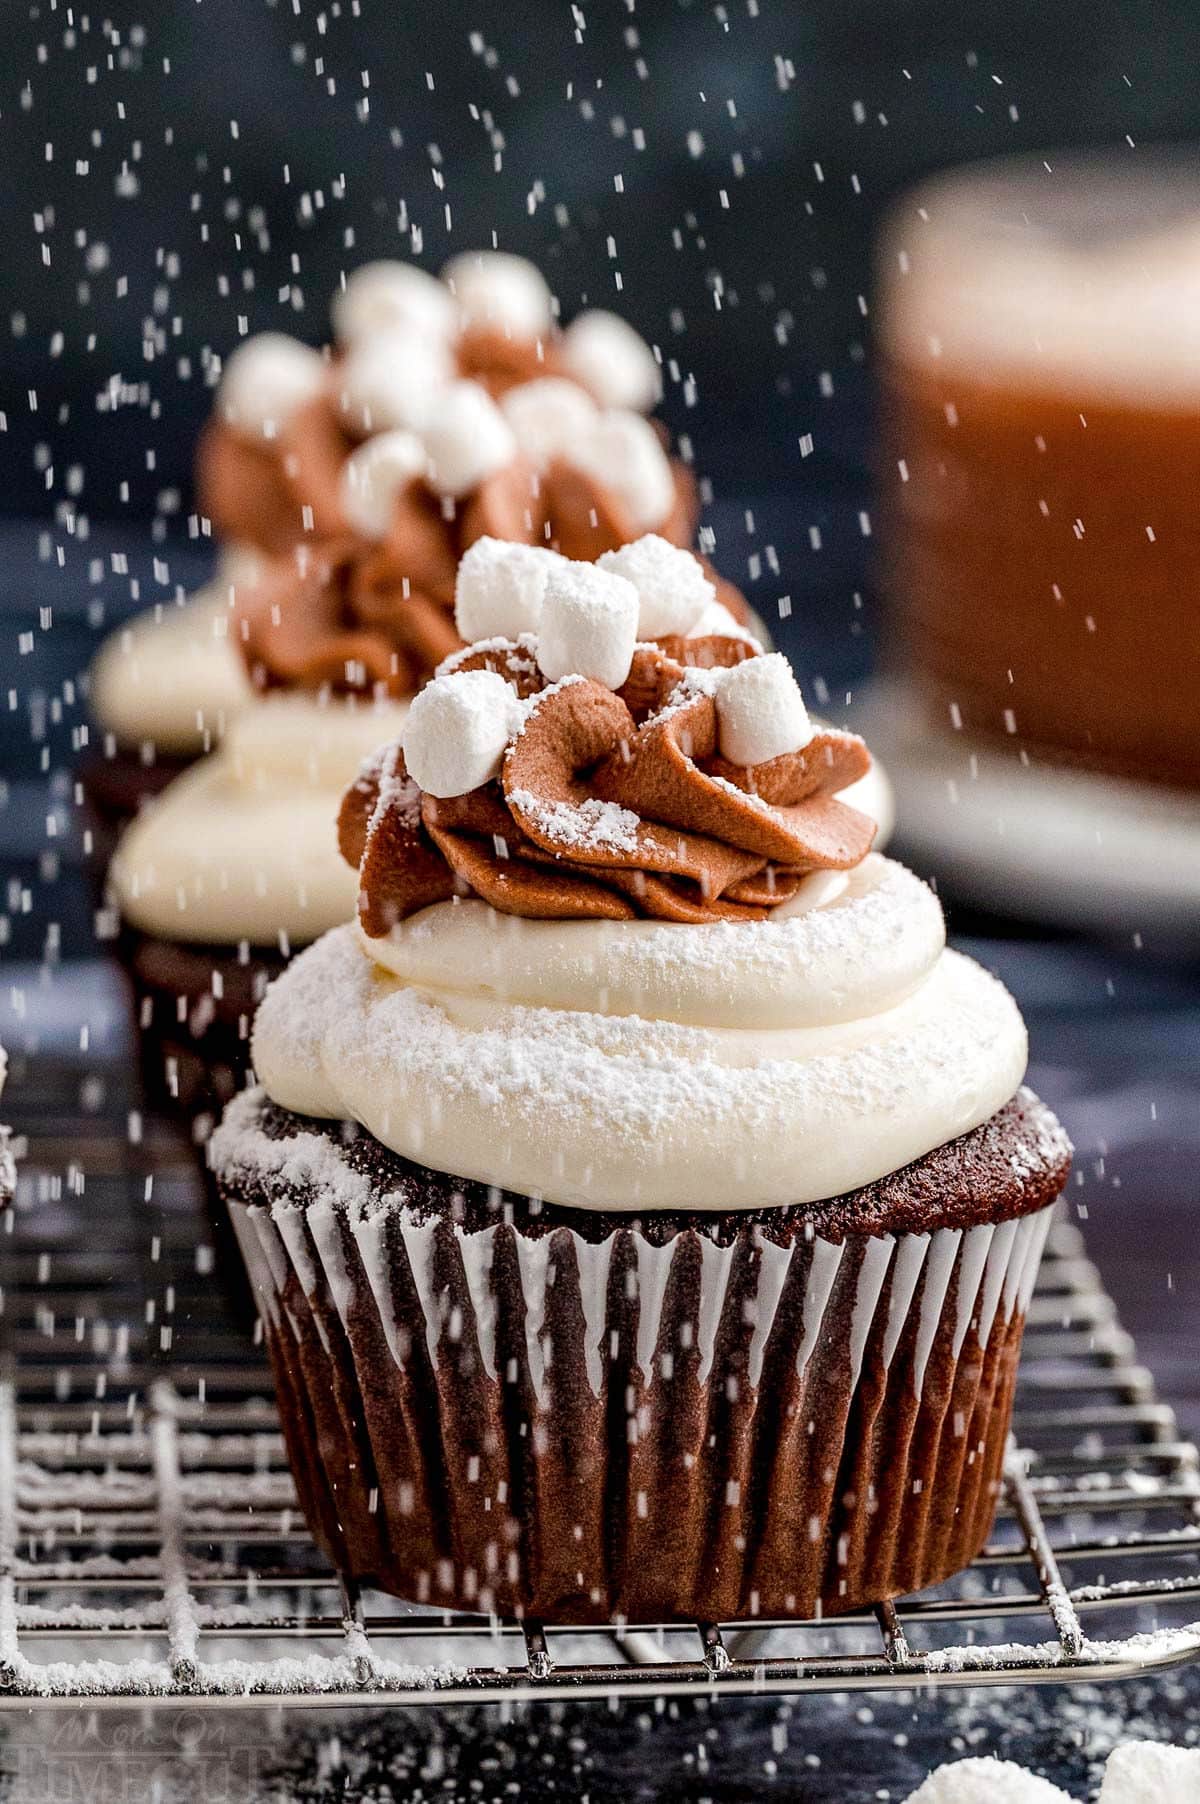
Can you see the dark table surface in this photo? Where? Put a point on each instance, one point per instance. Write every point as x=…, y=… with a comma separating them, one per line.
x=1115, y=1047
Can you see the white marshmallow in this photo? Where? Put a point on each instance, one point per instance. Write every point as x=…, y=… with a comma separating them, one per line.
x=390, y=297
x=760, y=711
x=624, y=453
x=374, y=475
x=391, y=381
x=500, y=589
x=589, y=624
x=456, y=731
x=466, y=438
x=673, y=591
x=549, y=416
x=986, y=1781
x=266, y=380
x=603, y=351
x=496, y=290
x=1148, y=1772
x=716, y=620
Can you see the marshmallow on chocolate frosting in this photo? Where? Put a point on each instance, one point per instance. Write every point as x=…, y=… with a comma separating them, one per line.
x=610, y=803
x=760, y=711
x=375, y=475
x=624, y=453
x=549, y=417
x=467, y=438
x=391, y=380
x=673, y=591
x=501, y=588
x=392, y=297
x=504, y=293
x=265, y=381
x=589, y=624
x=457, y=731
x=603, y=351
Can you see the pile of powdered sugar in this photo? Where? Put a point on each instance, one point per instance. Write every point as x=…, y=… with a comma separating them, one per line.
x=1138, y=1772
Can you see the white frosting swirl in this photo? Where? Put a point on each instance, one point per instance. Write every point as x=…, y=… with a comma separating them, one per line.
x=243, y=846
x=171, y=678
x=649, y=1065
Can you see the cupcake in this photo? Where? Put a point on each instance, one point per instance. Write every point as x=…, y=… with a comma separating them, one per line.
x=641, y=1201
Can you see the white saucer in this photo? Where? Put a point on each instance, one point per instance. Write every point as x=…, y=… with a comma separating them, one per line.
x=1004, y=831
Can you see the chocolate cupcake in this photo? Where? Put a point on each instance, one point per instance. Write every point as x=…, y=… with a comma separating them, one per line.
x=642, y=1202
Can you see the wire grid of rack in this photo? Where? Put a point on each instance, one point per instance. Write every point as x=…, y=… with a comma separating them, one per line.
x=151, y=1548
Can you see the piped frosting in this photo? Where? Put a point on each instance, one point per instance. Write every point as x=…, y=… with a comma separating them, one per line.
x=575, y=772
x=598, y=963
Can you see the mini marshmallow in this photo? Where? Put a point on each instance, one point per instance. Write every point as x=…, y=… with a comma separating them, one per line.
x=374, y=475
x=500, y=292
x=549, y=416
x=673, y=591
x=986, y=1781
x=603, y=351
x=457, y=729
x=589, y=624
x=500, y=589
x=392, y=297
x=266, y=380
x=625, y=454
x=466, y=438
x=716, y=621
x=391, y=381
x=760, y=711
x=1149, y=1772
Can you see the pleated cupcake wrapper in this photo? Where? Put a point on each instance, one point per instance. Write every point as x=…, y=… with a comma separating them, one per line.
x=544, y=1425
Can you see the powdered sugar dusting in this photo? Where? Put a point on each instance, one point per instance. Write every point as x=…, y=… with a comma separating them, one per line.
x=590, y=825
x=519, y=655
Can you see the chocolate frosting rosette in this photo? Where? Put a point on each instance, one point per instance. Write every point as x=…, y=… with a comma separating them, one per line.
x=642, y=1202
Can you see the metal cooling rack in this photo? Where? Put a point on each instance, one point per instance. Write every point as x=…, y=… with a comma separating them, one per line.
x=151, y=1548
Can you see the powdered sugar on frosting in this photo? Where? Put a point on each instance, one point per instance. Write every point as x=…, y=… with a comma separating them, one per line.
x=592, y=824
x=651, y=1108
